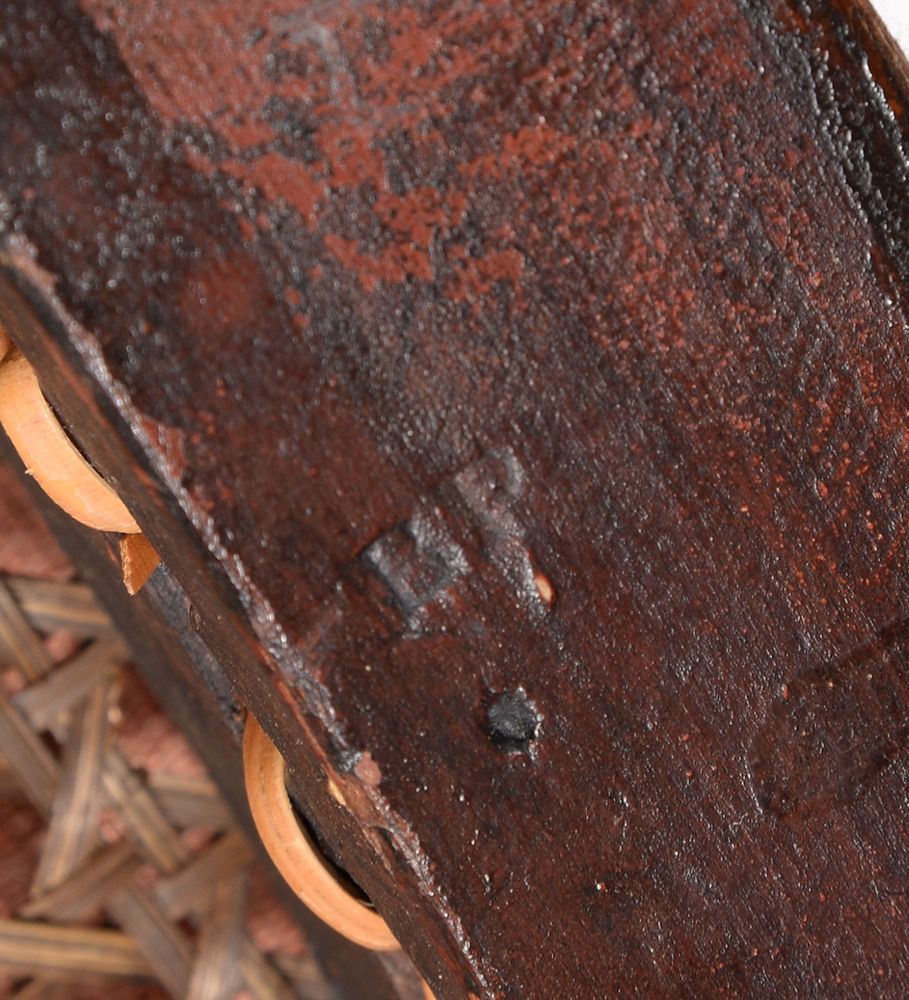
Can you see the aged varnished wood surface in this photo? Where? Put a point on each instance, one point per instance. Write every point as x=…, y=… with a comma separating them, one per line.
x=519, y=392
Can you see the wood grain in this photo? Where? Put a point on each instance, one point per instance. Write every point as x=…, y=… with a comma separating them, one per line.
x=30, y=948
x=138, y=560
x=45, y=701
x=166, y=947
x=72, y=831
x=179, y=894
x=19, y=640
x=49, y=606
x=216, y=973
x=34, y=766
x=190, y=801
x=82, y=894
x=146, y=821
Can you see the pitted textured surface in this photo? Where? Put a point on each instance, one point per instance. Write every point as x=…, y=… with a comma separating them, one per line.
x=545, y=346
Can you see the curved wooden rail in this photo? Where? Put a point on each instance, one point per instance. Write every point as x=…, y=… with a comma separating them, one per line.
x=294, y=853
x=50, y=456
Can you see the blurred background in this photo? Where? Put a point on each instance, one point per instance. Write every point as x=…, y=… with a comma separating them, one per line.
x=123, y=876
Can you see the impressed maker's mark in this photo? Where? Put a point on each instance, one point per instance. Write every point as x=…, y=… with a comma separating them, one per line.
x=423, y=565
